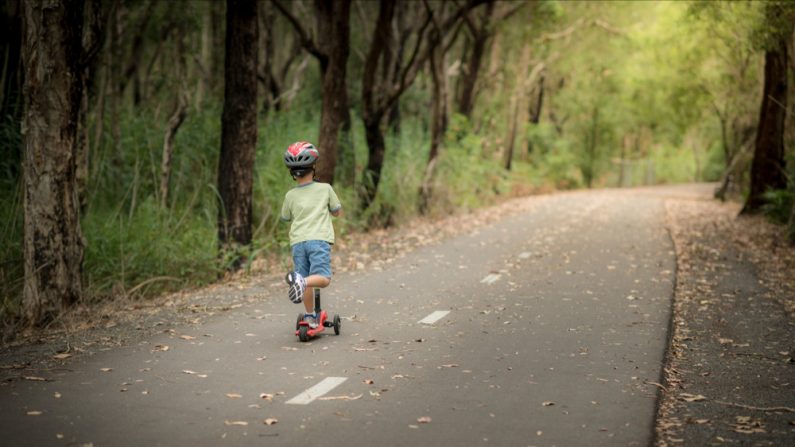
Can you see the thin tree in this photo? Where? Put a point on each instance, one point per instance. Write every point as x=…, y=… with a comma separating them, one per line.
x=379, y=93
x=439, y=113
x=238, y=128
x=53, y=244
x=331, y=47
x=181, y=103
x=481, y=27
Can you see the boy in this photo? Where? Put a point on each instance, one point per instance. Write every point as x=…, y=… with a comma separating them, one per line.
x=309, y=206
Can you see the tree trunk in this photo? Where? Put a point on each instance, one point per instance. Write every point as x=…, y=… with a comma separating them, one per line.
x=791, y=225
x=507, y=162
x=591, y=145
x=176, y=120
x=53, y=244
x=238, y=127
x=768, y=166
x=394, y=116
x=93, y=40
x=334, y=35
x=376, y=148
x=174, y=123
x=118, y=23
x=205, y=56
x=480, y=37
x=10, y=45
x=438, y=123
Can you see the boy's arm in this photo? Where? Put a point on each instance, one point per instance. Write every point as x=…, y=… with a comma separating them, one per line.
x=286, y=215
x=334, y=204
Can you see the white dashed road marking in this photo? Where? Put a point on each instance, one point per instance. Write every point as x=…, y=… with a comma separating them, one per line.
x=325, y=385
x=434, y=317
x=491, y=278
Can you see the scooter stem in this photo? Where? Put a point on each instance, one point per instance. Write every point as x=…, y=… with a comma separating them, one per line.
x=317, y=301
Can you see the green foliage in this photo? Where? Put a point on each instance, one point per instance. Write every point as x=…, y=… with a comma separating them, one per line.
x=778, y=204
x=465, y=179
x=153, y=245
x=10, y=154
x=11, y=219
x=11, y=266
x=554, y=157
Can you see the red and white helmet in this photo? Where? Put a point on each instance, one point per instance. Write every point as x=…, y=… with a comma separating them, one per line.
x=301, y=155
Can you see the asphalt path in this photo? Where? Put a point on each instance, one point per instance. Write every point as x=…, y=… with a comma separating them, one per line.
x=547, y=328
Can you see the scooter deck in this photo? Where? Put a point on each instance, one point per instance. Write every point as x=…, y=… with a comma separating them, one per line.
x=321, y=325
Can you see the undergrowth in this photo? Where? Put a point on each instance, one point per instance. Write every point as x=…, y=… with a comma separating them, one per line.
x=137, y=248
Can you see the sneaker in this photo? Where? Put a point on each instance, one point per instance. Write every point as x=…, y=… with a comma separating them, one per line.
x=311, y=319
x=296, y=286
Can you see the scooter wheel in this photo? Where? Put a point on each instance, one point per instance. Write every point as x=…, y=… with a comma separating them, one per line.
x=303, y=333
x=299, y=320
x=337, y=324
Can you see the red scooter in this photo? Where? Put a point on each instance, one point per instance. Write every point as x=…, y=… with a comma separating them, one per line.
x=304, y=332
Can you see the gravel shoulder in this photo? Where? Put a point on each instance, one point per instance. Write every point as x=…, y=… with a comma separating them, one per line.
x=730, y=373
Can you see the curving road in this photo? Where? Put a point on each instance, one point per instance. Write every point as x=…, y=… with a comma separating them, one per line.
x=548, y=328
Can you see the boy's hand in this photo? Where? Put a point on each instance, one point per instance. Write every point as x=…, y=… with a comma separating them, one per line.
x=337, y=213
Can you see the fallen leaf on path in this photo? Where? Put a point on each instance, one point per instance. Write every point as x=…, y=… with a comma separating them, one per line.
x=692, y=397
x=35, y=378
x=187, y=337
x=160, y=348
x=34, y=413
x=424, y=420
x=548, y=403
x=105, y=370
x=368, y=381
x=450, y=365
x=746, y=425
x=56, y=395
x=243, y=423
x=266, y=396
x=270, y=421
x=62, y=356
x=233, y=395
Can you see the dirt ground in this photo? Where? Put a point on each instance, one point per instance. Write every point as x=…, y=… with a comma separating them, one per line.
x=730, y=373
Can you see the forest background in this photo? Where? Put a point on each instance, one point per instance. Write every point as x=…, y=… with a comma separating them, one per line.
x=174, y=170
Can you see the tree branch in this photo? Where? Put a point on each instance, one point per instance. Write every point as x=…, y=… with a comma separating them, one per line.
x=506, y=14
x=306, y=40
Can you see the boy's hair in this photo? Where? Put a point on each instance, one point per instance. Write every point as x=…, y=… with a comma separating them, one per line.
x=300, y=172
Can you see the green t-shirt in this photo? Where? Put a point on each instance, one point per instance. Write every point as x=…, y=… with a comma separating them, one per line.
x=309, y=207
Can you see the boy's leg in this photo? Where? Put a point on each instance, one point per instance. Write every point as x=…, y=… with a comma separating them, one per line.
x=295, y=279
x=313, y=281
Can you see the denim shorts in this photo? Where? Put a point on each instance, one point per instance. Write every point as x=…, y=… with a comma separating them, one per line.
x=312, y=258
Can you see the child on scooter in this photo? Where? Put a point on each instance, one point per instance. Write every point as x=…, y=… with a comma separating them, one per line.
x=309, y=206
